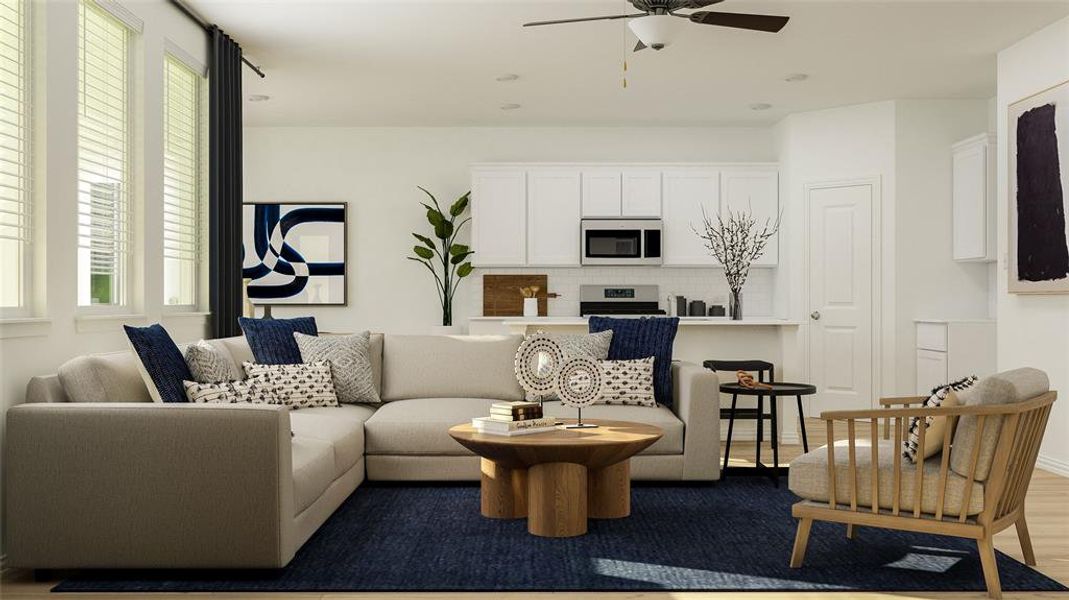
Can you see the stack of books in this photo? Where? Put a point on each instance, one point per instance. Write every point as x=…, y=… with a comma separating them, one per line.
x=514, y=418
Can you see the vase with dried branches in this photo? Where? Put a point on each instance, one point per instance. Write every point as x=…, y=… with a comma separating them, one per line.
x=736, y=240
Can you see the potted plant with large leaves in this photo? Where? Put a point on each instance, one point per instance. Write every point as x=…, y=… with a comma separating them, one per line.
x=443, y=256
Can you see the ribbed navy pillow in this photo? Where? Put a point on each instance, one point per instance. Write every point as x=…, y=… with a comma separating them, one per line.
x=272, y=340
x=162, y=360
x=642, y=338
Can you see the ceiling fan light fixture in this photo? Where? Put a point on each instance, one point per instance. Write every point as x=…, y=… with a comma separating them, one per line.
x=655, y=31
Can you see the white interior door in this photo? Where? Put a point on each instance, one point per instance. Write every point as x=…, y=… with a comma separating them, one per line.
x=840, y=294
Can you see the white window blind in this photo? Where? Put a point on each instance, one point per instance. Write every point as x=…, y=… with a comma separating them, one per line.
x=103, y=157
x=182, y=189
x=15, y=198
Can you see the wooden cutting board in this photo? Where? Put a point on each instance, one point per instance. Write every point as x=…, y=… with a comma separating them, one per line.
x=502, y=298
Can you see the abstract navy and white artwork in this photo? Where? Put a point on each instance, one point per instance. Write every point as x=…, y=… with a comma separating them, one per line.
x=1039, y=193
x=294, y=253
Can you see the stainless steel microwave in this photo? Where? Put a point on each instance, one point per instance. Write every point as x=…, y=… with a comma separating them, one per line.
x=621, y=241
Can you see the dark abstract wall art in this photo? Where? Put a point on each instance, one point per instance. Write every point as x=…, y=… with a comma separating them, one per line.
x=294, y=254
x=1039, y=178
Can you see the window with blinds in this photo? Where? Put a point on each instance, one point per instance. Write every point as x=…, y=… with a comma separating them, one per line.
x=15, y=199
x=182, y=189
x=103, y=157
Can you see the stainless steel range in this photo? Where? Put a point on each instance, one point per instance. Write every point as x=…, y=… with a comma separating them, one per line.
x=619, y=300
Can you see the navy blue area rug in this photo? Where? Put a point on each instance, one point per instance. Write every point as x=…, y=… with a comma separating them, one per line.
x=731, y=536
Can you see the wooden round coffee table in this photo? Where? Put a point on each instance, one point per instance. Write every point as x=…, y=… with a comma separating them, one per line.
x=558, y=478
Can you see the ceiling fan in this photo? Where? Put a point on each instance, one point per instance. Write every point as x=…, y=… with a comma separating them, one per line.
x=657, y=22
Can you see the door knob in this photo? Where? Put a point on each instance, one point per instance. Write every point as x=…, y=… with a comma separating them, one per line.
x=815, y=315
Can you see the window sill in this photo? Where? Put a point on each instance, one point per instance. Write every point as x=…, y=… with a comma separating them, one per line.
x=191, y=318
x=88, y=323
x=25, y=327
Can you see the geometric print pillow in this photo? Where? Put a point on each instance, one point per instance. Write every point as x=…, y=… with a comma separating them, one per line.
x=628, y=382
x=208, y=364
x=229, y=392
x=349, y=357
x=297, y=385
x=944, y=395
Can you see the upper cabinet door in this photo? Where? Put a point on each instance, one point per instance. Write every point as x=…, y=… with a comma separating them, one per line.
x=756, y=191
x=641, y=193
x=686, y=193
x=601, y=193
x=553, y=215
x=974, y=236
x=498, y=217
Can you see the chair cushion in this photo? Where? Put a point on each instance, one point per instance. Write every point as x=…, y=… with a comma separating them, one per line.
x=420, y=426
x=313, y=470
x=1008, y=387
x=809, y=479
x=111, y=377
x=660, y=415
x=641, y=338
x=438, y=366
x=342, y=427
x=272, y=340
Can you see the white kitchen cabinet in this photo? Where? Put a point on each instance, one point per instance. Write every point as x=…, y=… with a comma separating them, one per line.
x=602, y=193
x=948, y=350
x=974, y=232
x=553, y=213
x=499, y=217
x=641, y=193
x=686, y=193
x=756, y=191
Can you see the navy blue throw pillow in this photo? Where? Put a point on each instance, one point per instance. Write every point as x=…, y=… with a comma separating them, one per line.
x=642, y=338
x=271, y=340
x=162, y=360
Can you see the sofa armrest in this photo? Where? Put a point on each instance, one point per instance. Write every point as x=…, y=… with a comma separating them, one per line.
x=696, y=393
x=143, y=485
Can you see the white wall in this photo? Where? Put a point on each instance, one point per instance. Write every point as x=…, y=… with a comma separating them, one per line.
x=38, y=347
x=1033, y=330
x=376, y=171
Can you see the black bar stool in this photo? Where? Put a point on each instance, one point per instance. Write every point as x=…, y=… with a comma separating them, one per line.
x=777, y=389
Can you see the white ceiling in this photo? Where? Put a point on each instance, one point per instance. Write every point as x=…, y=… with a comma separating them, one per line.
x=435, y=62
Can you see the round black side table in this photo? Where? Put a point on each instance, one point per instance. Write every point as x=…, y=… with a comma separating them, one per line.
x=774, y=391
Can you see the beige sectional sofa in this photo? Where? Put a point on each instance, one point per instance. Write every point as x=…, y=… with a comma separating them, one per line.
x=98, y=476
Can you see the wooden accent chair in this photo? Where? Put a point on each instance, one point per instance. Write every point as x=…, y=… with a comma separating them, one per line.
x=974, y=488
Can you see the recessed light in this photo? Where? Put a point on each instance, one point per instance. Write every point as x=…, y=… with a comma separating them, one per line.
x=796, y=77
x=259, y=98
x=510, y=106
x=760, y=106
x=507, y=77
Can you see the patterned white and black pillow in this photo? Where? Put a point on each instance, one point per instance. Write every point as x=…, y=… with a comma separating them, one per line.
x=297, y=385
x=349, y=357
x=229, y=392
x=933, y=441
x=592, y=345
x=209, y=364
x=628, y=382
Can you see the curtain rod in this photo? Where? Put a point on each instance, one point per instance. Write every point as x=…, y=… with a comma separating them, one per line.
x=204, y=24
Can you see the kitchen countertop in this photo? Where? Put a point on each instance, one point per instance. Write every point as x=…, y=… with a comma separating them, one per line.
x=683, y=321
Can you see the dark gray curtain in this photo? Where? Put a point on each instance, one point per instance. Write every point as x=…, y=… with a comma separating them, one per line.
x=224, y=184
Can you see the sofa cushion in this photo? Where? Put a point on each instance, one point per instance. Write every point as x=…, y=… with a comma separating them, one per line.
x=661, y=416
x=313, y=470
x=809, y=479
x=375, y=350
x=211, y=363
x=421, y=425
x=161, y=364
x=349, y=357
x=436, y=366
x=272, y=340
x=640, y=338
x=1008, y=387
x=111, y=377
x=239, y=349
x=342, y=427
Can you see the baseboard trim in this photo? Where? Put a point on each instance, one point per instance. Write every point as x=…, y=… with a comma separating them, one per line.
x=1058, y=467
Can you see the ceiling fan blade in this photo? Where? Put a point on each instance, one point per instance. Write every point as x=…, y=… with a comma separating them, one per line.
x=608, y=18
x=640, y=46
x=769, y=23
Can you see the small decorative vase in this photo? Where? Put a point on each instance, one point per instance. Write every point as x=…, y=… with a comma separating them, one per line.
x=530, y=307
x=735, y=308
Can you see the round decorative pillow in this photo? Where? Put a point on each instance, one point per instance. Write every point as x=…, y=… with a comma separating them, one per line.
x=580, y=382
x=538, y=360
